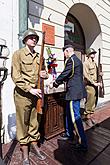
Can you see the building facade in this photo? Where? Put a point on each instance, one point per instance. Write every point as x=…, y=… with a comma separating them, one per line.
x=82, y=23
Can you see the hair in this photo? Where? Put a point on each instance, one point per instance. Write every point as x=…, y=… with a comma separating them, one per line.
x=69, y=49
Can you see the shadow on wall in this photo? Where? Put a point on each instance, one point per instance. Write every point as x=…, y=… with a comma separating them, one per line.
x=12, y=126
x=35, y=9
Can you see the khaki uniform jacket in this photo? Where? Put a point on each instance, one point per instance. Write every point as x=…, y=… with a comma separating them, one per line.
x=25, y=69
x=90, y=71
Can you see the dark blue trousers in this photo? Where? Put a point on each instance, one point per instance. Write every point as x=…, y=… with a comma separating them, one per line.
x=74, y=121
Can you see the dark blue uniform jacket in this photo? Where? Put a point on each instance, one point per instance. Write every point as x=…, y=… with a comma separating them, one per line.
x=73, y=75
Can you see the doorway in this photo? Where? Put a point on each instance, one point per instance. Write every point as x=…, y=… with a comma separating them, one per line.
x=74, y=35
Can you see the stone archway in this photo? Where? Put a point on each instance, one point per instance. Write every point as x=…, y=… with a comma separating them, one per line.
x=89, y=23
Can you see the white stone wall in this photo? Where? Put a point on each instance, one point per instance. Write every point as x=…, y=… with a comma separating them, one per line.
x=9, y=32
x=50, y=13
x=104, y=15
x=58, y=9
x=57, y=18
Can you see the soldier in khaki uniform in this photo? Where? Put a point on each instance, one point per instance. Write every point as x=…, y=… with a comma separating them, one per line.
x=25, y=65
x=90, y=79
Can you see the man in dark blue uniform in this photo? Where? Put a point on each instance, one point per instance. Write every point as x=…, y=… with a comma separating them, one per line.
x=75, y=91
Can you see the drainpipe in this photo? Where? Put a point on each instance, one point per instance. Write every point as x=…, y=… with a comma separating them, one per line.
x=23, y=19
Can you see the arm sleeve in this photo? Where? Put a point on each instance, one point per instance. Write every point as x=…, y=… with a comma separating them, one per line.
x=16, y=73
x=67, y=72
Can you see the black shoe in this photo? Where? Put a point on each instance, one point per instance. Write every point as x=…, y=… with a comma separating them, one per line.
x=80, y=147
x=64, y=136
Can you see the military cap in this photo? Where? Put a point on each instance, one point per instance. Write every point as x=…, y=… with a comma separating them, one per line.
x=90, y=51
x=67, y=46
x=29, y=32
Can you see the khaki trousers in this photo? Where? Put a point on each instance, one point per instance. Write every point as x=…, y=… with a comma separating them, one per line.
x=91, y=100
x=26, y=117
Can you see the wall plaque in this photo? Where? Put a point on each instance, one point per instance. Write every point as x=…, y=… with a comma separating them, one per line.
x=50, y=33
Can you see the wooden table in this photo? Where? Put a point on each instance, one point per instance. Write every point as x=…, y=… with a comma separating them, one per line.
x=53, y=114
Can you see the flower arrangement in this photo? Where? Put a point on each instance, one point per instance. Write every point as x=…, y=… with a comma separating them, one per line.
x=51, y=63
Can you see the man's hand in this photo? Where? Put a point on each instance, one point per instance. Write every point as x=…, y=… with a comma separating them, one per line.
x=44, y=74
x=97, y=84
x=55, y=84
x=101, y=74
x=36, y=92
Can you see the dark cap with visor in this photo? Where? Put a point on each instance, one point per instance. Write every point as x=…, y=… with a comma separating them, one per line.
x=67, y=46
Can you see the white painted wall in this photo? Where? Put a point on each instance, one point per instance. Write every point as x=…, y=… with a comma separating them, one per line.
x=9, y=32
x=85, y=11
x=103, y=9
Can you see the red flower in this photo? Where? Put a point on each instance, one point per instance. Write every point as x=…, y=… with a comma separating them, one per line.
x=53, y=65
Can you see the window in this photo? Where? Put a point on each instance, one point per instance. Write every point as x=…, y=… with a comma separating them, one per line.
x=74, y=33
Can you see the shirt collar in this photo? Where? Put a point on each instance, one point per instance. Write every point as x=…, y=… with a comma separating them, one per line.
x=27, y=52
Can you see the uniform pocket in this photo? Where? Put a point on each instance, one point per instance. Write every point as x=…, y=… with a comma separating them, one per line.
x=27, y=66
x=92, y=70
x=27, y=117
